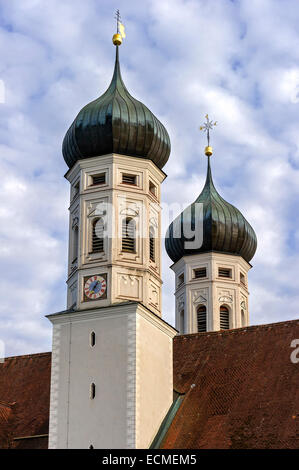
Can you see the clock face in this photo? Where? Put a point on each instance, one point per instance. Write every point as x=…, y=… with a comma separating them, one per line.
x=95, y=287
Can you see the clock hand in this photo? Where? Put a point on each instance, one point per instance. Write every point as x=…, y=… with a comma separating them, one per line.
x=94, y=287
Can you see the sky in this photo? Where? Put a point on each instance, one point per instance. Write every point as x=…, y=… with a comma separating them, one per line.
x=236, y=60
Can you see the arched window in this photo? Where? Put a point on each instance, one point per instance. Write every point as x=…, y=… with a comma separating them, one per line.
x=92, y=339
x=152, y=244
x=201, y=319
x=243, y=319
x=224, y=318
x=97, y=235
x=92, y=391
x=128, y=235
x=75, y=243
x=182, y=322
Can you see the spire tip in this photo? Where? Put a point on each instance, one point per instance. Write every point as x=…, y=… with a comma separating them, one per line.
x=206, y=127
x=120, y=30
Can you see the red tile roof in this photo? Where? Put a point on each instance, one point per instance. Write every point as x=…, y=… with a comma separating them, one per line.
x=241, y=389
x=5, y=412
x=25, y=391
x=5, y=423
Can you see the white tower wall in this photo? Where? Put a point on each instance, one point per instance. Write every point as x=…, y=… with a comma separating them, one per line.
x=130, y=366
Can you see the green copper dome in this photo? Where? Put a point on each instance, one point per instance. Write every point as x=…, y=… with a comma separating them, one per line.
x=116, y=123
x=225, y=229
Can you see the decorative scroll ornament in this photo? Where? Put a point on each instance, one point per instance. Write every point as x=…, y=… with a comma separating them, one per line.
x=129, y=211
x=75, y=222
x=181, y=302
x=153, y=222
x=226, y=298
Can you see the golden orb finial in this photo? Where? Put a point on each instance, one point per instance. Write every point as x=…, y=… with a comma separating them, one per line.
x=117, y=39
x=206, y=127
x=120, y=31
x=209, y=151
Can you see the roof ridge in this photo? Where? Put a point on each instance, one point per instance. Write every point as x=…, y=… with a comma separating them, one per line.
x=245, y=328
x=24, y=356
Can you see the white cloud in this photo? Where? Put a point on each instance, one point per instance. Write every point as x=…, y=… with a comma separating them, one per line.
x=236, y=60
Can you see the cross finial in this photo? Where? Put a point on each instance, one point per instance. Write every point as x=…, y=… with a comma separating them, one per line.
x=117, y=17
x=206, y=127
x=120, y=30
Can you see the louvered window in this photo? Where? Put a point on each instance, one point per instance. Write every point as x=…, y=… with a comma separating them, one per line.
x=128, y=235
x=201, y=319
x=152, y=188
x=75, y=244
x=97, y=236
x=243, y=320
x=224, y=318
x=182, y=322
x=181, y=279
x=99, y=179
x=242, y=279
x=225, y=272
x=129, y=179
x=76, y=190
x=200, y=272
x=152, y=244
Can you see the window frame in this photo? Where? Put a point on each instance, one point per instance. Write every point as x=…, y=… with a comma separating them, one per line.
x=181, y=279
x=243, y=279
x=201, y=268
x=151, y=186
x=129, y=175
x=97, y=175
x=229, y=270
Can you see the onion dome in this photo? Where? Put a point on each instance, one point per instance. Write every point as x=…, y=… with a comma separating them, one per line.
x=116, y=123
x=225, y=229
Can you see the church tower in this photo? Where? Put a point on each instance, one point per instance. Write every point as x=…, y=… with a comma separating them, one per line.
x=211, y=244
x=111, y=383
x=115, y=150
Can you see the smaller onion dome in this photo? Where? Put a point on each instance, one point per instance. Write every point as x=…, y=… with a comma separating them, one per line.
x=225, y=229
x=116, y=123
